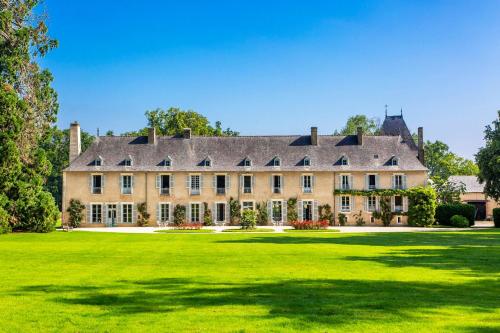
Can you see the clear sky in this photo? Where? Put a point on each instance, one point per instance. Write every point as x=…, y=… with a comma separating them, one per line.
x=279, y=67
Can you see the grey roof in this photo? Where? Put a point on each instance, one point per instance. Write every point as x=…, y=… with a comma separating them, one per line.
x=471, y=183
x=396, y=125
x=228, y=153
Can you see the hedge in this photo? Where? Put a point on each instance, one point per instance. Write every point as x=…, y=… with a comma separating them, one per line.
x=459, y=221
x=496, y=217
x=444, y=212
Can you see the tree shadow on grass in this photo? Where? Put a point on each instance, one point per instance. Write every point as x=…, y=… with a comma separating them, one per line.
x=305, y=303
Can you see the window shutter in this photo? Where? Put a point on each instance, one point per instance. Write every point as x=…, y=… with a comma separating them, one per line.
x=90, y=183
x=158, y=181
x=214, y=212
x=313, y=181
x=393, y=181
x=282, y=181
x=158, y=213
x=172, y=182
x=104, y=210
x=284, y=211
x=202, y=212
x=405, y=204
x=103, y=178
x=241, y=183
x=367, y=182
x=377, y=203
x=351, y=182
x=301, y=210
x=214, y=181
x=253, y=181
x=315, y=210
x=121, y=184
x=228, y=212
x=404, y=181
x=89, y=213
x=188, y=181
x=271, y=183
x=228, y=181
x=270, y=210
x=366, y=203
x=188, y=212
x=201, y=182
x=132, y=184
x=118, y=213
x=302, y=181
x=377, y=181
x=134, y=213
x=393, y=204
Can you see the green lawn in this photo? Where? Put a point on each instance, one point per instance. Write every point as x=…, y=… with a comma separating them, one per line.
x=386, y=282
x=249, y=230
x=185, y=231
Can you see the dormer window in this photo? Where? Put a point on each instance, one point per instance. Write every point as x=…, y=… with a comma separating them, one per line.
x=307, y=161
x=394, y=161
x=127, y=161
x=207, y=162
x=247, y=162
x=344, y=160
x=167, y=161
x=276, y=161
x=98, y=161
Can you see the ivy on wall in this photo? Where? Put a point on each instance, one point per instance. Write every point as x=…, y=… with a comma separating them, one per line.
x=371, y=193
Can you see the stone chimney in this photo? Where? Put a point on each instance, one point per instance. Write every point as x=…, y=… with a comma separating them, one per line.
x=151, y=135
x=314, y=136
x=75, y=146
x=360, y=136
x=187, y=133
x=421, y=156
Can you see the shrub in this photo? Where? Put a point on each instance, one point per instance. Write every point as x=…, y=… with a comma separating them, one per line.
x=248, y=219
x=422, y=206
x=310, y=225
x=384, y=214
x=291, y=212
x=4, y=221
x=143, y=216
x=189, y=226
x=342, y=219
x=179, y=215
x=359, y=218
x=37, y=211
x=207, y=215
x=262, y=216
x=75, y=210
x=234, y=211
x=325, y=213
x=446, y=211
x=496, y=217
x=459, y=221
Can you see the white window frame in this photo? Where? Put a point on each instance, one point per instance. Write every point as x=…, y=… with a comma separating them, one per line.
x=306, y=189
x=98, y=161
x=368, y=186
x=191, y=212
x=343, y=207
x=161, y=188
x=243, y=188
x=276, y=162
x=403, y=185
x=277, y=190
x=396, y=209
x=122, y=212
x=394, y=161
x=169, y=160
x=221, y=190
x=191, y=190
x=349, y=181
x=272, y=210
x=216, y=213
x=249, y=162
x=306, y=162
x=160, y=213
x=242, y=204
x=91, y=206
x=375, y=204
x=207, y=162
x=303, y=203
x=92, y=175
x=344, y=159
x=122, y=183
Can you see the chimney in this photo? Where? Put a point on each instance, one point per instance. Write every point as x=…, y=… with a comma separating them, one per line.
x=75, y=147
x=314, y=136
x=151, y=135
x=187, y=133
x=360, y=136
x=421, y=156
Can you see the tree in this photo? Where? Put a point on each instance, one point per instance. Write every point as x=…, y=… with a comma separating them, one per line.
x=369, y=125
x=448, y=192
x=28, y=107
x=488, y=159
x=56, y=145
x=442, y=163
x=422, y=208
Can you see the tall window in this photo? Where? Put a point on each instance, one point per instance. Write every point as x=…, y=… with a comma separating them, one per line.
x=398, y=203
x=165, y=184
x=307, y=210
x=127, y=213
x=277, y=184
x=164, y=212
x=372, y=182
x=195, y=212
x=220, y=212
x=371, y=203
x=126, y=184
x=307, y=183
x=195, y=185
x=220, y=183
x=247, y=205
x=398, y=182
x=96, y=184
x=247, y=184
x=345, y=203
x=277, y=211
x=345, y=182
x=96, y=213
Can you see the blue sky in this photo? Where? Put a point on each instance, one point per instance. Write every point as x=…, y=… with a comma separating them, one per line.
x=279, y=67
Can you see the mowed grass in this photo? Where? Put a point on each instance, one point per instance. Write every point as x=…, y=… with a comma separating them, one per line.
x=385, y=282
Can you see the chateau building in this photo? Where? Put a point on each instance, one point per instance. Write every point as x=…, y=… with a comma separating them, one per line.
x=117, y=173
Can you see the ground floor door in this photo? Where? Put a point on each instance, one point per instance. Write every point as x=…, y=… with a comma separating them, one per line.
x=111, y=215
x=480, y=209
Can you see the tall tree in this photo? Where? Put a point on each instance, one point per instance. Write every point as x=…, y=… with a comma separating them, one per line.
x=369, y=125
x=488, y=159
x=442, y=163
x=28, y=107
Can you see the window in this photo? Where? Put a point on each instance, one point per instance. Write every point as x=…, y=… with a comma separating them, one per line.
x=345, y=182
x=220, y=184
x=98, y=161
x=164, y=212
x=195, y=212
x=344, y=161
x=276, y=183
x=398, y=203
x=195, y=184
x=127, y=162
x=277, y=209
x=247, y=162
x=126, y=184
x=345, y=203
x=307, y=183
x=96, y=213
x=398, y=220
x=207, y=162
x=371, y=204
x=372, y=219
x=394, y=161
x=307, y=210
x=276, y=161
x=307, y=161
x=220, y=212
x=96, y=184
x=247, y=184
x=165, y=184
x=247, y=205
x=399, y=182
x=167, y=162
x=372, y=182
x=127, y=213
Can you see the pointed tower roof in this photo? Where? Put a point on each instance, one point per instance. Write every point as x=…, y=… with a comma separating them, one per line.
x=396, y=125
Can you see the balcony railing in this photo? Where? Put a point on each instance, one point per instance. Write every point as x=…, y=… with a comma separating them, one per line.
x=307, y=189
x=126, y=190
x=345, y=186
x=165, y=191
x=96, y=190
x=372, y=187
x=195, y=191
x=398, y=209
x=221, y=190
x=276, y=190
x=247, y=190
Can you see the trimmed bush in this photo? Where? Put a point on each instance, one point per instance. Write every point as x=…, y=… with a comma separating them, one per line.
x=310, y=225
x=496, y=217
x=422, y=206
x=248, y=219
x=446, y=211
x=179, y=215
x=458, y=221
x=75, y=211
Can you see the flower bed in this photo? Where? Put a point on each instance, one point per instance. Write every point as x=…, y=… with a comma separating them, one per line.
x=189, y=226
x=309, y=225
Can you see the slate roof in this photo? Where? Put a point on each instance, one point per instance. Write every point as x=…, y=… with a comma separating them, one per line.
x=471, y=183
x=395, y=125
x=228, y=153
